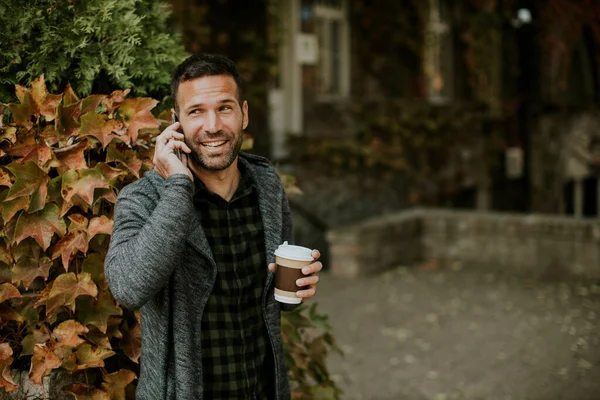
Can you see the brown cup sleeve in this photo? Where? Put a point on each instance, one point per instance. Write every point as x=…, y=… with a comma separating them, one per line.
x=285, y=278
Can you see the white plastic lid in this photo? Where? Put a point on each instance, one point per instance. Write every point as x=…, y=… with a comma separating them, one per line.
x=292, y=252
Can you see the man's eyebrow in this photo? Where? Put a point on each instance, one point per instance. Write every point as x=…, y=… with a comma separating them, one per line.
x=223, y=101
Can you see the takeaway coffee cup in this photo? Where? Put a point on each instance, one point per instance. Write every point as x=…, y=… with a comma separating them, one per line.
x=290, y=260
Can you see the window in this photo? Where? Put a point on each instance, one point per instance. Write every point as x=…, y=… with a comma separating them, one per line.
x=439, y=53
x=331, y=28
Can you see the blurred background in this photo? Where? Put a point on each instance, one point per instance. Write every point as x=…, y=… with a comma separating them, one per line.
x=447, y=153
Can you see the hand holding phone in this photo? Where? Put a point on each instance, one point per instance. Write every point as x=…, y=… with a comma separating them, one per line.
x=169, y=143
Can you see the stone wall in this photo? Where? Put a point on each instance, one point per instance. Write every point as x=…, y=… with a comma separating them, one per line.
x=536, y=246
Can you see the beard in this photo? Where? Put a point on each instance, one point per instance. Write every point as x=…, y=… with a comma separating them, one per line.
x=216, y=162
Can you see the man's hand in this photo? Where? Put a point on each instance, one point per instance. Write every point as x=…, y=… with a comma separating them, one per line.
x=311, y=279
x=166, y=162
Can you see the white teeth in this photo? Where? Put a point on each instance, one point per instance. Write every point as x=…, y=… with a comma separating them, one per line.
x=213, y=144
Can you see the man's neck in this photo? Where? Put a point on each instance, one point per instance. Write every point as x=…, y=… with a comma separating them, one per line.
x=223, y=183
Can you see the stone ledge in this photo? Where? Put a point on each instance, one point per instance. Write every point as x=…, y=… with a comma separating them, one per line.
x=534, y=245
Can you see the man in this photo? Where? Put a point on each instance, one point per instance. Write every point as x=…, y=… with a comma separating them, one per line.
x=190, y=247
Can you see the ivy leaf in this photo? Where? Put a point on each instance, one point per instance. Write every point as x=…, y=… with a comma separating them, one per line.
x=5, y=178
x=100, y=127
x=128, y=159
x=72, y=157
x=39, y=154
x=94, y=265
x=20, y=92
x=29, y=180
x=8, y=291
x=100, y=225
x=12, y=207
x=8, y=133
x=116, y=383
x=131, y=343
x=9, y=314
x=98, y=338
x=42, y=363
x=46, y=103
x=41, y=226
x=110, y=173
x=69, y=245
x=78, y=222
x=69, y=96
x=86, y=392
x=82, y=183
x=6, y=380
x=67, y=333
x=36, y=337
x=90, y=103
x=67, y=123
x=28, y=269
x=97, y=312
x=66, y=288
x=23, y=112
x=136, y=115
x=113, y=100
x=113, y=330
x=5, y=254
x=89, y=356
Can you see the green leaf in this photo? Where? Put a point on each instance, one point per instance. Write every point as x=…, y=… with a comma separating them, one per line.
x=82, y=183
x=8, y=291
x=41, y=226
x=128, y=159
x=136, y=115
x=37, y=336
x=29, y=180
x=12, y=207
x=23, y=112
x=67, y=122
x=89, y=356
x=97, y=312
x=100, y=127
x=65, y=289
x=116, y=383
x=26, y=270
x=69, y=96
x=94, y=265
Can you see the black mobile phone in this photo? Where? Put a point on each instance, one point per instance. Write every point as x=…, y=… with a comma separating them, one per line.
x=173, y=120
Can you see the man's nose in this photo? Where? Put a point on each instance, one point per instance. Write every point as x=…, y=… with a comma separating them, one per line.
x=212, y=123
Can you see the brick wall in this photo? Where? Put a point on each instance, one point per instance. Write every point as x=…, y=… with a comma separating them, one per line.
x=535, y=246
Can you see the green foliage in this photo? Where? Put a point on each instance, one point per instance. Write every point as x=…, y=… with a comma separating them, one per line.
x=95, y=45
x=63, y=161
x=307, y=340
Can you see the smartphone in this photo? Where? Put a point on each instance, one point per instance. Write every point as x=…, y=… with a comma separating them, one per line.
x=173, y=120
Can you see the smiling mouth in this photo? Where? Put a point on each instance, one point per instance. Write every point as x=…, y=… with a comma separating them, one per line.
x=215, y=144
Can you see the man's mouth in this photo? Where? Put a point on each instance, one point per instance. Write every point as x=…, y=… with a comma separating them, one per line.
x=214, y=144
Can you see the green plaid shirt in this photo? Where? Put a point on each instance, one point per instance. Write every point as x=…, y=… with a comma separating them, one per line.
x=234, y=336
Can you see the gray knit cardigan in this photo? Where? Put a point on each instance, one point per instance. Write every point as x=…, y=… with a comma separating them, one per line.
x=159, y=261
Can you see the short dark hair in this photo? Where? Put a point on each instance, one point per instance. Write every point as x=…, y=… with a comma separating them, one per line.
x=204, y=64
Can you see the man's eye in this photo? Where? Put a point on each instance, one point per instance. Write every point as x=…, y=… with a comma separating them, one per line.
x=195, y=112
x=226, y=108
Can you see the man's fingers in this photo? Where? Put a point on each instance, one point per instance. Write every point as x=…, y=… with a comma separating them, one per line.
x=312, y=268
x=306, y=293
x=272, y=267
x=308, y=281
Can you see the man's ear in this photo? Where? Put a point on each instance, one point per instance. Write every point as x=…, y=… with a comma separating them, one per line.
x=245, y=118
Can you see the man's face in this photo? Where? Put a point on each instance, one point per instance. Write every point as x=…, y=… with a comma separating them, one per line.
x=212, y=120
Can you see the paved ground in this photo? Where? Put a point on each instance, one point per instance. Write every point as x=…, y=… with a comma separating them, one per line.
x=435, y=334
